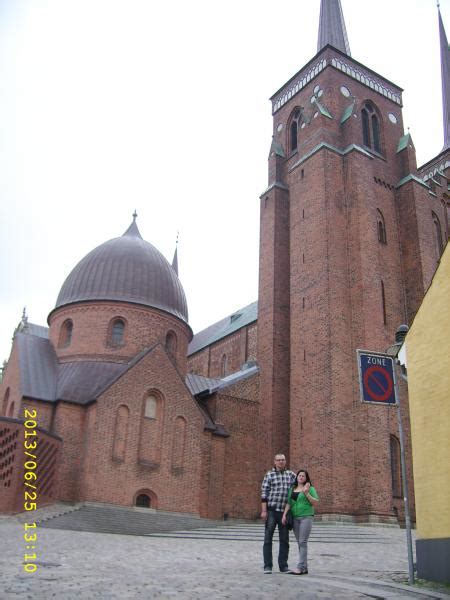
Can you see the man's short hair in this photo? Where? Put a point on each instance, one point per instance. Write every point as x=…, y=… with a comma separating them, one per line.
x=280, y=455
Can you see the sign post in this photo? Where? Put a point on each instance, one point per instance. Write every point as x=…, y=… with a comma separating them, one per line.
x=378, y=385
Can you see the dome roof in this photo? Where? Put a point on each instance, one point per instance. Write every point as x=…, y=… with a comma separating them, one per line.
x=126, y=269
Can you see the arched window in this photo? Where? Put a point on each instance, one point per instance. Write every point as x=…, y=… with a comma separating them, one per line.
x=438, y=234
x=146, y=499
x=171, y=343
x=366, y=127
x=293, y=130
x=65, y=335
x=151, y=404
x=381, y=227
x=5, y=402
x=151, y=430
x=11, y=410
x=143, y=500
x=117, y=332
x=383, y=303
x=223, y=365
x=371, y=127
x=294, y=134
x=396, y=473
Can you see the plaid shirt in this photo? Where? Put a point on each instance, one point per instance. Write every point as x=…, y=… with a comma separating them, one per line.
x=275, y=487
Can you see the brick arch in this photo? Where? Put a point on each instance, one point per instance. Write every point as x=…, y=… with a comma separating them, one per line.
x=146, y=492
x=65, y=334
x=116, y=338
x=171, y=343
x=151, y=427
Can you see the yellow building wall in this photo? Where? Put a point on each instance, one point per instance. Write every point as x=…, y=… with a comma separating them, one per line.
x=428, y=365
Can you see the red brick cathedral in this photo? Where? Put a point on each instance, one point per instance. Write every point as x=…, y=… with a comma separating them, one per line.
x=128, y=407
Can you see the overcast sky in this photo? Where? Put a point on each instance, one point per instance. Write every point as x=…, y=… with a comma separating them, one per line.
x=109, y=106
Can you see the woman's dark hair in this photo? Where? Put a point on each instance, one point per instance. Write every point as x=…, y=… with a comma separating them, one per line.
x=308, y=480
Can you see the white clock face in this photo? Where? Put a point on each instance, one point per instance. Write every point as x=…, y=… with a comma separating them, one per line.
x=345, y=91
x=392, y=118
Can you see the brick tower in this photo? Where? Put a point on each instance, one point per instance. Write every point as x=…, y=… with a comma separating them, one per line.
x=347, y=250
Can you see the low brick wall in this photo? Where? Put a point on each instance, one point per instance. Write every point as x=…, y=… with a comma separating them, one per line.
x=15, y=463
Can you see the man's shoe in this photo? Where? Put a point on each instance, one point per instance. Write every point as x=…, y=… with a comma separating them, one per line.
x=267, y=571
x=285, y=570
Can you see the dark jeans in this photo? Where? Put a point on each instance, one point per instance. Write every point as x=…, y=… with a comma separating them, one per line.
x=274, y=519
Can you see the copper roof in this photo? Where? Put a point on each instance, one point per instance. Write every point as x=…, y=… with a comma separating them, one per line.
x=224, y=327
x=126, y=269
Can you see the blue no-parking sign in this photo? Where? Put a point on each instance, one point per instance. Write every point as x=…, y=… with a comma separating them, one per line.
x=376, y=377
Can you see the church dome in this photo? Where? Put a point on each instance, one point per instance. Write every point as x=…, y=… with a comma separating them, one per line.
x=126, y=269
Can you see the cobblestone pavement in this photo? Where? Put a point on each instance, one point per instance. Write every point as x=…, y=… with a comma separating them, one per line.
x=224, y=562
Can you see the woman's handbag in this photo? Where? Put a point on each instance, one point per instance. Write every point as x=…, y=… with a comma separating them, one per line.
x=290, y=520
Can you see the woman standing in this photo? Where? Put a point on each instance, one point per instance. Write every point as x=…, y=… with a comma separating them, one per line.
x=301, y=499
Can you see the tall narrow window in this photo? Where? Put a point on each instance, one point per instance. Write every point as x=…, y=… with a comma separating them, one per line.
x=11, y=410
x=366, y=128
x=151, y=429
x=381, y=227
x=224, y=365
x=294, y=134
x=371, y=127
x=150, y=407
x=383, y=303
x=117, y=332
x=171, y=343
x=376, y=133
x=438, y=234
x=65, y=335
x=396, y=473
x=5, y=401
x=293, y=130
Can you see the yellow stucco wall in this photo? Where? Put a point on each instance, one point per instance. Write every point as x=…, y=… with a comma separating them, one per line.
x=428, y=364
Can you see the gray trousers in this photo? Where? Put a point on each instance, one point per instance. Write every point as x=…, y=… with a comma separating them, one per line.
x=302, y=529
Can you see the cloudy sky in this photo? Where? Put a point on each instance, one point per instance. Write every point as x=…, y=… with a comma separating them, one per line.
x=109, y=106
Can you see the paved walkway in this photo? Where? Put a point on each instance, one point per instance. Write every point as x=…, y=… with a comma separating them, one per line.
x=224, y=562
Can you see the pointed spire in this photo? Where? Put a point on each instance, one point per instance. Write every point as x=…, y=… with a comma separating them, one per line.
x=332, y=27
x=445, y=71
x=133, y=228
x=175, y=257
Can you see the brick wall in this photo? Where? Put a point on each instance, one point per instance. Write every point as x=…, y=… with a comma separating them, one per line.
x=13, y=458
x=91, y=324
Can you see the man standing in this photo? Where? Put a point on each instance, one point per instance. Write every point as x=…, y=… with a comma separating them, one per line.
x=274, y=493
